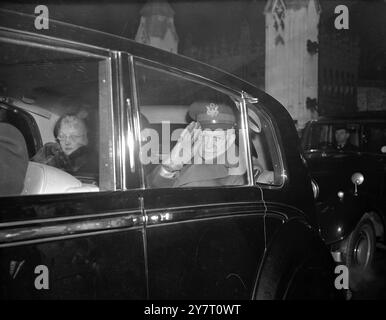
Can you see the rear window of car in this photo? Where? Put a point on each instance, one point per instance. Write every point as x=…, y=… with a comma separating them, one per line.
x=60, y=101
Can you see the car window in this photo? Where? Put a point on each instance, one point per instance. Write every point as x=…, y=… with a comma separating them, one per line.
x=374, y=137
x=323, y=135
x=319, y=135
x=60, y=102
x=354, y=131
x=266, y=161
x=190, y=132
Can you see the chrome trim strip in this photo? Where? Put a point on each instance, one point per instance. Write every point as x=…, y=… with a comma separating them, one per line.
x=144, y=239
x=230, y=204
x=203, y=212
x=130, y=140
x=136, y=118
x=15, y=35
x=244, y=126
x=57, y=44
x=56, y=230
x=64, y=219
x=67, y=237
x=213, y=205
x=106, y=121
x=196, y=219
x=116, y=116
x=122, y=138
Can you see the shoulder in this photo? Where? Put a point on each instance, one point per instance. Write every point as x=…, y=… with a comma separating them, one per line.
x=13, y=160
x=10, y=137
x=12, y=142
x=351, y=147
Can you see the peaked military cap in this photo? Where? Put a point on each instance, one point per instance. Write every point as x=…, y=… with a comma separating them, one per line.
x=212, y=115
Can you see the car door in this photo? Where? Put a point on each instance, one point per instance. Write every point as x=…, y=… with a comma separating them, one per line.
x=71, y=235
x=374, y=145
x=202, y=242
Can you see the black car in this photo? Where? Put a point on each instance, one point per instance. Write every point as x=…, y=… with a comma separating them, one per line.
x=110, y=233
x=351, y=179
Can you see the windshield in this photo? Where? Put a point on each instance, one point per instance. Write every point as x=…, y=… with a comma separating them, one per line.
x=324, y=136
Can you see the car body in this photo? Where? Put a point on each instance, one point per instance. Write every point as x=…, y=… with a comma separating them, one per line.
x=126, y=240
x=351, y=212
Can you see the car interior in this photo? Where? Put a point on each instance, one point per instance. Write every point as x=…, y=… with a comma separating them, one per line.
x=170, y=120
x=166, y=97
x=38, y=86
x=322, y=136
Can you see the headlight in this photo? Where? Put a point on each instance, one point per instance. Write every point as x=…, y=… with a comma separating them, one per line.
x=357, y=179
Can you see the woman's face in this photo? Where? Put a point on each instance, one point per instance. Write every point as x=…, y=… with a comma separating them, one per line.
x=71, y=138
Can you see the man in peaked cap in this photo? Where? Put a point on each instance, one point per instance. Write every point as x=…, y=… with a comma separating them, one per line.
x=13, y=160
x=342, y=136
x=195, y=160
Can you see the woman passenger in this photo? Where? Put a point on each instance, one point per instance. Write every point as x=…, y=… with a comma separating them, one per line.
x=71, y=151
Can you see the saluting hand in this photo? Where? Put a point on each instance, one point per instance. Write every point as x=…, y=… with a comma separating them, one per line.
x=186, y=148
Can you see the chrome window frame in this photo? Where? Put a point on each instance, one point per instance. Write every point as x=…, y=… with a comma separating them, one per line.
x=276, y=146
x=191, y=76
x=20, y=37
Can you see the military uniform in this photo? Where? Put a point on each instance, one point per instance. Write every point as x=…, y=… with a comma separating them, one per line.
x=196, y=175
x=348, y=146
x=212, y=116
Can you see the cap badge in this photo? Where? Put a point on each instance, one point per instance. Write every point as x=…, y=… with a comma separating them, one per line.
x=212, y=110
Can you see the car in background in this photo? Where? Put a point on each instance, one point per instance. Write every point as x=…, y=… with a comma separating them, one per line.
x=127, y=239
x=351, y=184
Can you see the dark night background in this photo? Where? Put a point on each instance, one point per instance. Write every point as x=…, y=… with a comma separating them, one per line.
x=202, y=23
x=206, y=21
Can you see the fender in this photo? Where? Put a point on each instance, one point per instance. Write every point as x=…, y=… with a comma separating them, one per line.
x=339, y=217
x=305, y=255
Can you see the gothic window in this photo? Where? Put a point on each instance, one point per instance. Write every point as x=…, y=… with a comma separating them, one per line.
x=278, y=13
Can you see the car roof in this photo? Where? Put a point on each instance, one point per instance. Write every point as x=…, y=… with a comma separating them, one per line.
x=13, y=20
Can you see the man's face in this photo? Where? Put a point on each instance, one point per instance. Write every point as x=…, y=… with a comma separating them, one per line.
x=71, y=138
x=215, y=143
x=341, y=136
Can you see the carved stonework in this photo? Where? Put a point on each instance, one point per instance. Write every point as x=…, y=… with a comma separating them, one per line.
x=279, y=15
x=156, y=27
x=291, y=66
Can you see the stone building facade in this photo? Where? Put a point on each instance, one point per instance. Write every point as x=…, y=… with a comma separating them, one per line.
x=338, y=74
x=291, y=64
x=309, y=69
x=243, y=58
